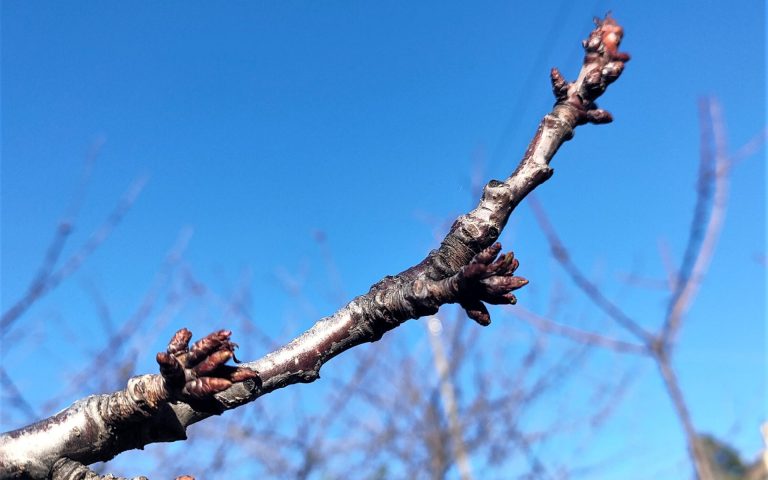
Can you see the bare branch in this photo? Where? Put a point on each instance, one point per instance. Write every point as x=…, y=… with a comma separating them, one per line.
x=710, y=232
x=751, y=147
x=464, y=270
x=100, y=426
x=590, y=289
x=671, y=384
x=16, y=396
x=448, y=398
x=705, y=229
x=579, y=335
x=48, y=279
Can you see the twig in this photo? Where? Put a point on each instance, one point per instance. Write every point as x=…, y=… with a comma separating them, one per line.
x=579, y=335
x=671, y=384
x=16, y=396
x=448, y=398
x=751, y=147
x=590, y=289
x=131, y=326
x=699, y=261
x=48, y=279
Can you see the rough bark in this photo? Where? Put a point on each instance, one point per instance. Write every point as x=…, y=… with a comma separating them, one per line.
x=464, y=270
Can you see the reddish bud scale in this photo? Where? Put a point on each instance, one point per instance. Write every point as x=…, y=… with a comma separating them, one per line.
x=488, y=279
x=180, y=342
x=603, y=64
x=201, y=372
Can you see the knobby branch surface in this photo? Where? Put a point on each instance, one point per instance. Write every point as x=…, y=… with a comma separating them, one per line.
x=195, y=383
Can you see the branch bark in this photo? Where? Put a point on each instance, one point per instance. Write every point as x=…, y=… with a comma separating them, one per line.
x=463, y=270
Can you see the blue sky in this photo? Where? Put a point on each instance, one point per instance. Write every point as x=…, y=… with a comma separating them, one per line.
x=259, y=124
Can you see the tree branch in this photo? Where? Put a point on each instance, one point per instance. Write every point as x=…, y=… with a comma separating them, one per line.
x=580, y=336
x=47, y=278
x=705, y=230
x=590, y=289
x=463, y=270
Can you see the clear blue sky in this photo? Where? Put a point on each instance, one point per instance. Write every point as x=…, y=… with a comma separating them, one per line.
x=259, y=124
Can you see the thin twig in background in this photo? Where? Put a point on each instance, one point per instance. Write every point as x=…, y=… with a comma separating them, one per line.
x=421, y=406
x=560, y=253
x=131, y=326
x=576, y=334
x=448, y=397
x=48, y=278
x=705, y=229
x=706, y=225
x=15, y=397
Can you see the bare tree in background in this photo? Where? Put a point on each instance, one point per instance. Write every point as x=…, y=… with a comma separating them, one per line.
x=658, y=342
x=427, y=427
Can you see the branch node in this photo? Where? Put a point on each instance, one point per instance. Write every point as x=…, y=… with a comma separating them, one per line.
x=201, y=372
x=488, y=279
x=603, y=65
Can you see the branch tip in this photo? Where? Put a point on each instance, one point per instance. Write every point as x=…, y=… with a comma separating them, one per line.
x=603, y=65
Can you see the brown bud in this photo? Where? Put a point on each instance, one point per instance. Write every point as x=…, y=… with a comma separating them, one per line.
x=477, y=312
x=599, y=116
x=611, y=71
x=213, y=361
x=170, y=369
x=205, y=346
x=242, y=374
x=202, y=388
x=180, y=342
x=559, y=84
x=487, y=255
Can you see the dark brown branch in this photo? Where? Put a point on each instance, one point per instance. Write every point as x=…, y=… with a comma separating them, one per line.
x=462, y=270
x=388, y=304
